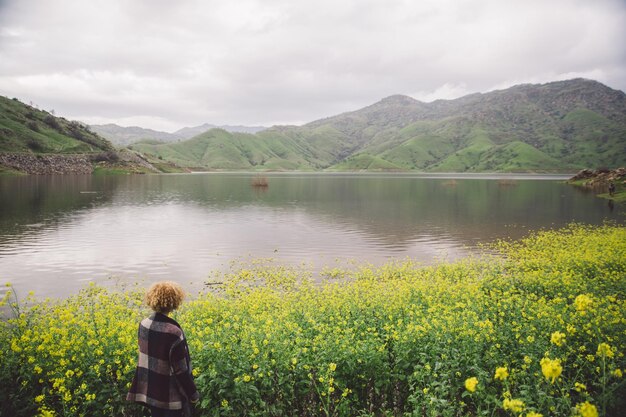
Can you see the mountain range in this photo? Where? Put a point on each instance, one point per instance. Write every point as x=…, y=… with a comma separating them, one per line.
x=558, y=126
x=124, y=136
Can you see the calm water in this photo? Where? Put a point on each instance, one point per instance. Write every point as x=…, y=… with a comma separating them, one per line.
x=58, y=233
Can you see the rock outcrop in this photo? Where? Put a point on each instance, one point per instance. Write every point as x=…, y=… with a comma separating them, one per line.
x=600, y=177
x=46, y=164
x=52, y=164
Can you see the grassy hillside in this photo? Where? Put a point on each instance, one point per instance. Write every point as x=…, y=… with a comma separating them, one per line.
x=219, y=149
x=37, y=142
x=561, y=126
x=554, y=127
x=24, y=128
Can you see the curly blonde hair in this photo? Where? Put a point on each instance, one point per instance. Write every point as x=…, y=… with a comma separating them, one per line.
x=164, y=297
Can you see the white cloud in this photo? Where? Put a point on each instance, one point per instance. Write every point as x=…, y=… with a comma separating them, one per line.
x=448, y=91
x=259, y=61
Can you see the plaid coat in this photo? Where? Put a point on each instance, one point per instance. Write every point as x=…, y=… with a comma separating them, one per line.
x=163, y=377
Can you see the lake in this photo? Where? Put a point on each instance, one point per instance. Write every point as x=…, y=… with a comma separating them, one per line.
x=57, y=233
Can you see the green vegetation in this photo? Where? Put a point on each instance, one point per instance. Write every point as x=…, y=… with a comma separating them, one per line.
x=219, y=149
x=563, y=126
x=538, y=331
x=29, y=135
x=25, y=128
x=365, y=162
x=557, y=127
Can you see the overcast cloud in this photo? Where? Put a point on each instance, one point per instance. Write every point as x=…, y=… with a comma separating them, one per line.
x=167, y=64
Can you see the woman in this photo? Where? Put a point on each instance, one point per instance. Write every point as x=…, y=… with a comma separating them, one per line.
x=163, y=379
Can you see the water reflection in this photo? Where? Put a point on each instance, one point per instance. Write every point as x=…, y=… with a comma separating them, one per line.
x=57, y=232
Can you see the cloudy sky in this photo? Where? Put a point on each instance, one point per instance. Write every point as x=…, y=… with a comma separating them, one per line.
x=167, y=64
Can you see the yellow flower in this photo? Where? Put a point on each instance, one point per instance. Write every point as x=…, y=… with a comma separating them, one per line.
x=617, y=373
x=44, y=412
x=501, y=373
x=557, y=338
x=533, y=414
x=551, y=368
x=586, y=409
x=471, y=383
x=604, y=351
x=580, y=387
x=332, y=367
x=583, y=302
x=224, y=403
x=513, y=404
x=39, y=398
x=246, y=378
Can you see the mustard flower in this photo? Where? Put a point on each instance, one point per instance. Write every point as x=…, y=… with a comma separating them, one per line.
x=586, y=409
x=557, y=338
x=45, y=412
x=551, y=368
x=501, y=373
x=583, y=302
x=471, y=383
x=513, y=404
x=604, y=351
x=533, y=414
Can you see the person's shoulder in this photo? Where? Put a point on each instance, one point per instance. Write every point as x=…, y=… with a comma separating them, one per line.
x=163, y=324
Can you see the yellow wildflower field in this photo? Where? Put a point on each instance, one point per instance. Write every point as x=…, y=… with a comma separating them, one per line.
x=538, y=330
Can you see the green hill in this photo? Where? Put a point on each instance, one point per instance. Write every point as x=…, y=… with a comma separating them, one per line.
x=35, y=141
x=560, y=126
x=219, y=149
x=24, y=128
